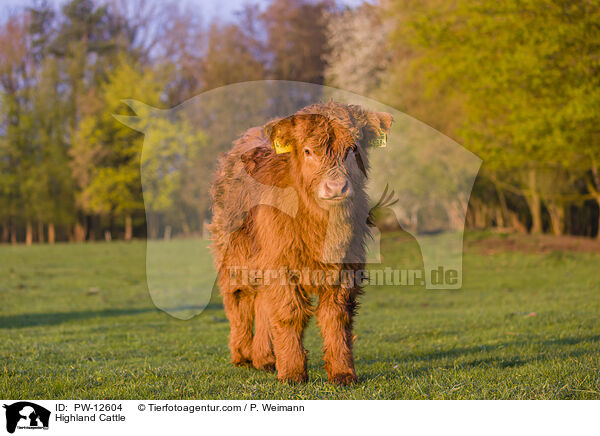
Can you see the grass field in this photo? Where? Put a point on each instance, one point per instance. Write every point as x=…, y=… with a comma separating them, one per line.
x=525, y=325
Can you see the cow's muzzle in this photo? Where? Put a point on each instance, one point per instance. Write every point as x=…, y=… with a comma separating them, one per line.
x=337, y=188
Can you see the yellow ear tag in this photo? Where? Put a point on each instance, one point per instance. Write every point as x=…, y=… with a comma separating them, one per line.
x=281, y=148
x=380, y=141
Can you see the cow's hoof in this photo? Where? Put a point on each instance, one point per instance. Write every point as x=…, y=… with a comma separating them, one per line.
x=266, y=366
x=294, y=378
x=241, y=361
x=343, y=379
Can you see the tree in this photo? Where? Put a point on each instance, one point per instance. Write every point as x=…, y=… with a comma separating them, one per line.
x=524, y=68
x=50, y=178
x=106, y=153
x=359, y=54
x=229, y=57
x=297, y=39
x=16, y=70
x=87, y=43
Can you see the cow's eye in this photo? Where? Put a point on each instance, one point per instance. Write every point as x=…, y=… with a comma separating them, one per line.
x=307, y=152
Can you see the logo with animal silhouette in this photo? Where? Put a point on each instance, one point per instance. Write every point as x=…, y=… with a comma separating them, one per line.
x=419, y=181
x=26, y=415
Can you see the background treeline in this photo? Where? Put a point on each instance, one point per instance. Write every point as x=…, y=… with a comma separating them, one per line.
x=516, y=82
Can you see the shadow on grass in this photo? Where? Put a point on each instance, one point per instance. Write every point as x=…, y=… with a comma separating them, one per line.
x=471, y=357
x=47, y=319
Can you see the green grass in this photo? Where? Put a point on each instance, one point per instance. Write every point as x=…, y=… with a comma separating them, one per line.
x=58, y=340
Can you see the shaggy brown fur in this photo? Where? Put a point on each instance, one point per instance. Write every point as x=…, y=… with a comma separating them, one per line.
x=319, y=224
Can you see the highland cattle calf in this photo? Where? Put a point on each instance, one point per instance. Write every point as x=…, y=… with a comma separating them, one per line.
x=315, y=163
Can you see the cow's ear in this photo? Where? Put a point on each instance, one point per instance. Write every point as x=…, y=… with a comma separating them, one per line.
x=280, y=133
x=378, y=128
x=385, y=121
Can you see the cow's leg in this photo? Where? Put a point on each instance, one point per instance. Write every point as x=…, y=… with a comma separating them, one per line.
x=289, y=309
x=262, y=346
x=334, y=316
x=239, y=308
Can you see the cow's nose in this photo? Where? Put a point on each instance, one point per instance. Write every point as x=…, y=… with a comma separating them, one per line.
x=336, y=189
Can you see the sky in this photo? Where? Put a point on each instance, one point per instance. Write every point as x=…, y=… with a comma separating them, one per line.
x=211, y=8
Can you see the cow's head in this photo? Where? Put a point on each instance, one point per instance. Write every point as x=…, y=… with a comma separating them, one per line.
x=326, y=145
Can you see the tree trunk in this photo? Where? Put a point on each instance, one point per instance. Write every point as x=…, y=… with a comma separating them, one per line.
x=128, y=228
x=594, y=188
x=40, y=232
x=79, y=232
x=5, y=231
x=51, y=234
x=153, y=226
x=470, y=219
x=535, y=207
x=456, y=216
x=167, y=235
x=503, y=215
x=515, y=223
x=91, y=231
x=13, y=232
x=110, y=227
x=557, y=217
x=480, y=215
x=187, y=231
x=535, y=204
x=28, y=233
x=500, y=218
x=598, y=232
